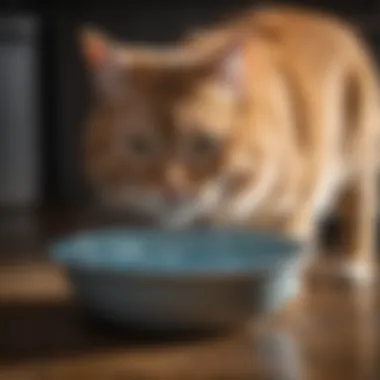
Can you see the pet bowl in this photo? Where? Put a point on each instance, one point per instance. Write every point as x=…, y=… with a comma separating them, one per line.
x=186, y=280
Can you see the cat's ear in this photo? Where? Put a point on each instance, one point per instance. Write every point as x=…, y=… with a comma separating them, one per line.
x=96, y=48
x=100, y=56
x=230, y=70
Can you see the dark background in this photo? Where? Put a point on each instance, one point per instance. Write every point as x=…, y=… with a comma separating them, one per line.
x=61, y=85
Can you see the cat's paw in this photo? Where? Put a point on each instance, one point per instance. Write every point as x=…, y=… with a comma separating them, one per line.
x=360, y=272
x=356, y=272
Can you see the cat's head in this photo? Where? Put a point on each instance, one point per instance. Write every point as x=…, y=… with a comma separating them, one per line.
x=165, y=134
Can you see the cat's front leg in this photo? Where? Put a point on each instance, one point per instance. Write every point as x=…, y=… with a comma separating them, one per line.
x=302, y=226
x=357, y=209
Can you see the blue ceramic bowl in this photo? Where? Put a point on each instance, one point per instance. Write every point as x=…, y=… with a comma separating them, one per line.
x=194, y=279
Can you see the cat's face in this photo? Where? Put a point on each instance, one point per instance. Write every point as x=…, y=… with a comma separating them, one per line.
x=165, y=140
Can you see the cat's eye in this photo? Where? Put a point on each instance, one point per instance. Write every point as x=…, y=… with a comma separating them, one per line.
x=140, y=145
x=203, y=145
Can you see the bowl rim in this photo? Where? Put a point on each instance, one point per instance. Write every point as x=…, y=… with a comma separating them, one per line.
x=148, y=274
x=176, y=276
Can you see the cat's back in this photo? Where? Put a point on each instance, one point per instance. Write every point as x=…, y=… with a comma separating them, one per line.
x=308, y=34
x=296, y=23
x=297, y=34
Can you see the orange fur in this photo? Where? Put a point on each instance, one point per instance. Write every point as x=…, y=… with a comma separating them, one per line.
x=266, y=120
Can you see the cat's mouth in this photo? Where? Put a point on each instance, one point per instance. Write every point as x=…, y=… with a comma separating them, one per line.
x=167, y=210
x=180, y=215
x=170, y=210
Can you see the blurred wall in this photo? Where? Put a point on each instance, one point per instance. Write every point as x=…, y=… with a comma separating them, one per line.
x=20, y=148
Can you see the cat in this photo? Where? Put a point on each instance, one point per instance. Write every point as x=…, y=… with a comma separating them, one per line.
x=269, y=120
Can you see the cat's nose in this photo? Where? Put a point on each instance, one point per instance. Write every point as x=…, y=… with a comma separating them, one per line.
x=174, y=178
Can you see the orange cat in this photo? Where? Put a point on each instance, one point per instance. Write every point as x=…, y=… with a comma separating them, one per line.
x=270, y=120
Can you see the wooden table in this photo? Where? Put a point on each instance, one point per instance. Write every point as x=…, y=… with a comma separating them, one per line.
x=44, y=334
